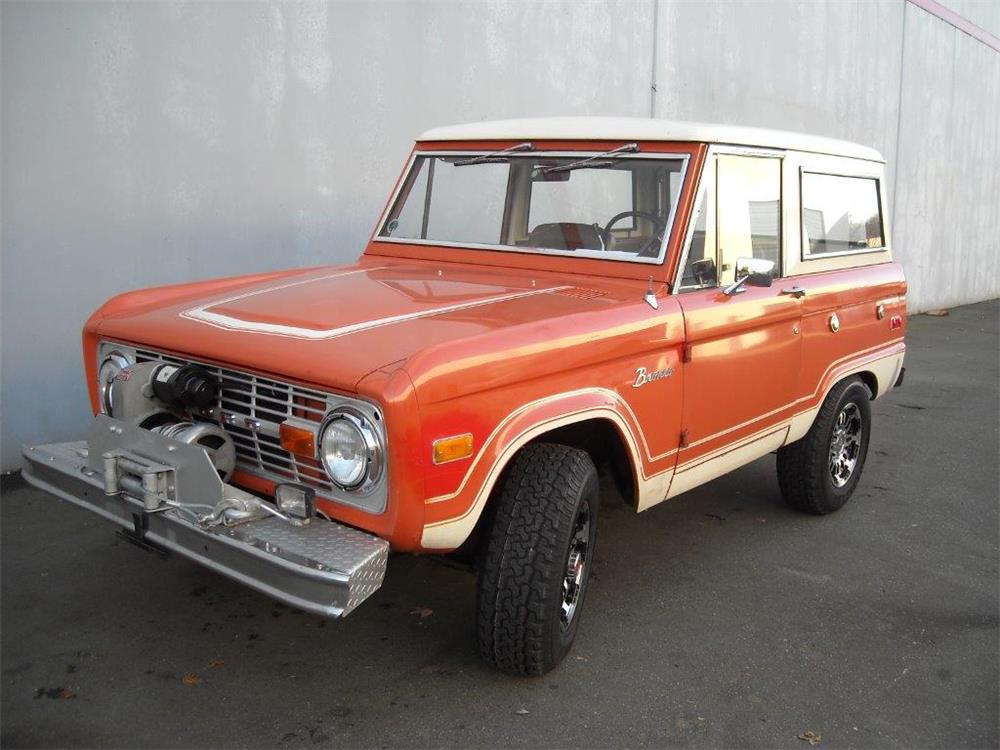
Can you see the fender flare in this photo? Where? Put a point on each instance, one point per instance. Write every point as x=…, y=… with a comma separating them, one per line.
x=451, y=518
x=883, y=366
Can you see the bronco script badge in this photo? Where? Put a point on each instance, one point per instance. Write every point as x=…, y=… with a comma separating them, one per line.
x=642, y=377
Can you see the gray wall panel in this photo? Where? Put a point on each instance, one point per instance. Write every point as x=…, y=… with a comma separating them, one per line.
x=150, y=143
x=825, y=68
x=947, y=209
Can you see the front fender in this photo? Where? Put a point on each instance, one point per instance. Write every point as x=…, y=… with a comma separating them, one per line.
x=451, y=517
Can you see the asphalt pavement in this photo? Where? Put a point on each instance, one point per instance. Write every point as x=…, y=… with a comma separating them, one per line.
x=717, y=619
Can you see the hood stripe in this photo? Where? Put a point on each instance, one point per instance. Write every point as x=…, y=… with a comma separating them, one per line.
x=287, y=285
x=202, y=315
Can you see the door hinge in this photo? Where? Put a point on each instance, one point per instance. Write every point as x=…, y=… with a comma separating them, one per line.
x=686, y=354
x=684, y=439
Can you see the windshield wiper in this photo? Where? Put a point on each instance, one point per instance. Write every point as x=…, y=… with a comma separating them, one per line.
x=496, y=156
x=594, y=162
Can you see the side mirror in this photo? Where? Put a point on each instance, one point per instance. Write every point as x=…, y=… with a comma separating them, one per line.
x=752, y=272
x=704, y=272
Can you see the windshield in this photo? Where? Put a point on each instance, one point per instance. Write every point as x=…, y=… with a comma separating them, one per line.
x=613, y=205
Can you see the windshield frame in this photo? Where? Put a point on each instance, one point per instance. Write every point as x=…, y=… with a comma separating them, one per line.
x=590, y=255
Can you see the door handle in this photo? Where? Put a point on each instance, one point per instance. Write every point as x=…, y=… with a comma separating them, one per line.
x=795, y=291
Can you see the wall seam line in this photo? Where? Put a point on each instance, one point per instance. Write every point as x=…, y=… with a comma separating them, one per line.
x=899, y=118
x=652, y=67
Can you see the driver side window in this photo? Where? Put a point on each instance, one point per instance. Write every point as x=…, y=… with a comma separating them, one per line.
x=739, y=217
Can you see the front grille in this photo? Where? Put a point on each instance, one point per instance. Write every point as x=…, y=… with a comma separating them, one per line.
x=261, y=404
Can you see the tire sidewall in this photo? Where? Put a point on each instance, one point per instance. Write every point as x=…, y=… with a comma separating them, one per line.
x=561, y=639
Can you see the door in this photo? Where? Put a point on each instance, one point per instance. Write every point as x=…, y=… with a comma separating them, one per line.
x=743, y=353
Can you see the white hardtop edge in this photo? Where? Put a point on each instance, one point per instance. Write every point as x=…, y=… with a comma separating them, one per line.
x=645, y=129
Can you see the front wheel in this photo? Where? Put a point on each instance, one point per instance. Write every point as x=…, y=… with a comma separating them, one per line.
x=818, y=474
x=534, y=571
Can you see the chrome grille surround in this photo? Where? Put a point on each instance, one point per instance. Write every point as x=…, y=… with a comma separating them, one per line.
x=251, y=407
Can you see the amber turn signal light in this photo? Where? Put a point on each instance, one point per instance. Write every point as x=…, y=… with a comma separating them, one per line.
x=452, y=448
x=298, y=440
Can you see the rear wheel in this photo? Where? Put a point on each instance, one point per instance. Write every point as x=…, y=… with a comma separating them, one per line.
x=535, y=567
x=818, y=474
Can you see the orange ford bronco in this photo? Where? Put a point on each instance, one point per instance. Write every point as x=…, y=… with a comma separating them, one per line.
x=541, y=301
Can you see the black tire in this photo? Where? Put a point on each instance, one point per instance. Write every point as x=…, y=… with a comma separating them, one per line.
x=805, y=468
x=520, y=620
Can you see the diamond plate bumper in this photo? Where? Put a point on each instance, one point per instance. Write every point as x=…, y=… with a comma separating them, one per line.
x=323, y=567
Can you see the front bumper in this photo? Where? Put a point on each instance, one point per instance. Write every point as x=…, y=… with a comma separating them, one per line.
x=323, y=567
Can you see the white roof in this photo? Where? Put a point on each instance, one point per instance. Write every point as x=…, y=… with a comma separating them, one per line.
x=644, y=129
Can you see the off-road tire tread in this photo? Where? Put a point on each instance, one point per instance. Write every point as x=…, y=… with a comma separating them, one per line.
x=533, y=514
x=802, y=465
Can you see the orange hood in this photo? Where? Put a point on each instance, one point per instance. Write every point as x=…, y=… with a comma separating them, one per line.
x=332, y=326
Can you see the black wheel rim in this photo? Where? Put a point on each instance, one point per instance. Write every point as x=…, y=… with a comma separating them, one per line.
x=845, y=444
x=575, y=571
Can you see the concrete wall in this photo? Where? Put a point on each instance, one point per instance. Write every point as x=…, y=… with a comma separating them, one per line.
x=149, y=143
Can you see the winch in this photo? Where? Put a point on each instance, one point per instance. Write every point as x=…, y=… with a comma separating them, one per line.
x=213, y=440
x=171, y=402
x=163, y=398
x=186, y=387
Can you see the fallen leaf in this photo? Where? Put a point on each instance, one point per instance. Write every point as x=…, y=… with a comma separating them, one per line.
x=811, y=737
x=422, y=612
x=938, y=313
x=216, y=663
x=522, y=712
x=191, y=679
x=57, y=693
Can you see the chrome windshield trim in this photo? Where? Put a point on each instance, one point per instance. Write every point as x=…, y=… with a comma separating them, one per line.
x=612, y=256
x=696, y=207
x=609, y=256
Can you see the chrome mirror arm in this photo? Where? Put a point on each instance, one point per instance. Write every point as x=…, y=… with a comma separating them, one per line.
x=737, y=287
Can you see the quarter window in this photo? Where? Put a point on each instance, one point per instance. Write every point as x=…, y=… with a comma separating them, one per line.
x=840, y=214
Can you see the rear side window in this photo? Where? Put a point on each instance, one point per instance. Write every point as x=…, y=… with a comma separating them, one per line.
x=840, y=214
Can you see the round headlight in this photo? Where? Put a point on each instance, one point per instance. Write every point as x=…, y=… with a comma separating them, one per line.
x=113, y=364
x=350, y=450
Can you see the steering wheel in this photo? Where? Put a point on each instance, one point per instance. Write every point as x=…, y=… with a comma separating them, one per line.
x=608, y=240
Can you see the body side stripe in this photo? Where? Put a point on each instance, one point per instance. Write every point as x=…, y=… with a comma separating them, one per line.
x=844, y=366
x=832, y=366
x=550, y=399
